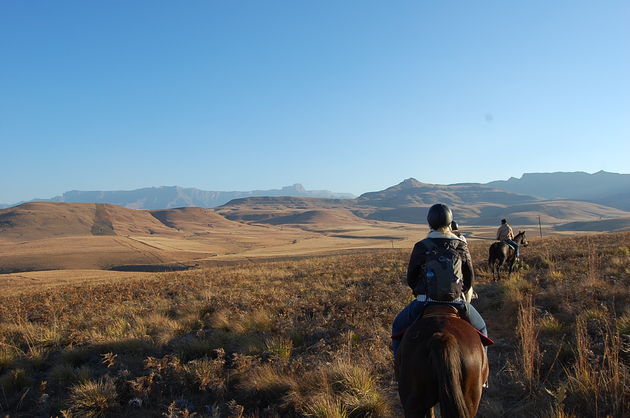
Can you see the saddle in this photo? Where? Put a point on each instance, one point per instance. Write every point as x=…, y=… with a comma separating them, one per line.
x=440, y=311
x=509, y=243
x=448, y=311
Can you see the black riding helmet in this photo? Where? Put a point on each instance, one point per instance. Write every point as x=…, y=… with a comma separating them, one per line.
x=439, y=216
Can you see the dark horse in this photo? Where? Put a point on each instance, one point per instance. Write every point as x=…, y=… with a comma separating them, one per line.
x=441, y=359
x=501, y=254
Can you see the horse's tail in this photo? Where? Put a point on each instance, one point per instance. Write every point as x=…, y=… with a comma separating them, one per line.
x=446, y=361
x=491, y=257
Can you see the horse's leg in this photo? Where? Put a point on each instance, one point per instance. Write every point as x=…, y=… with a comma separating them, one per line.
x=511, y=261
x=429, y=413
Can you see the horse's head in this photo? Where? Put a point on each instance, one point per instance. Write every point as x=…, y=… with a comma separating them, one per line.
x=520, y=238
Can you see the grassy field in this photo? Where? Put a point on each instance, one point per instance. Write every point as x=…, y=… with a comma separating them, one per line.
x=310, y=337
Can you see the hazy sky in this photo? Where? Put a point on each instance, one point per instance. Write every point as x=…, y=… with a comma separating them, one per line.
x=350, y=96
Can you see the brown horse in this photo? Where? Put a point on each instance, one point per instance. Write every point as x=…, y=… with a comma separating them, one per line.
x=501, y=253
x=441, y=360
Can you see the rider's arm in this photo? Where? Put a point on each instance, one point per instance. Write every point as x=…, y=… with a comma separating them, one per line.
x=415, y=265
x=467, y=270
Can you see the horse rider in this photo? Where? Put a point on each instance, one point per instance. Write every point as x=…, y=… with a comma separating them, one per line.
x=455, y=230
x=505, y=233
x=439, y=219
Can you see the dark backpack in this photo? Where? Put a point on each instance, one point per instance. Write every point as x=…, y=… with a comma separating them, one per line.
x=443, y=269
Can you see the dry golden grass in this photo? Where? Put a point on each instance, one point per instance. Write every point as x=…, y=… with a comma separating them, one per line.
x=92, y=398
x=310, y=337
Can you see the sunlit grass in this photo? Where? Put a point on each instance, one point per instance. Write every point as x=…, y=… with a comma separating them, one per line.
x=310, y=338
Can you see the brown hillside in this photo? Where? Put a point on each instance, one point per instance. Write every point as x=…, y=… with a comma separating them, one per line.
x=40, y=220
x=414, y=193
x=550, y=211
x=609, y=225
x=322, y=217
x=131, y=221
x=264, y=209
x=191, y=219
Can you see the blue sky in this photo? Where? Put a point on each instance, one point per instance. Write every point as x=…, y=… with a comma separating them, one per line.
x=350, y=96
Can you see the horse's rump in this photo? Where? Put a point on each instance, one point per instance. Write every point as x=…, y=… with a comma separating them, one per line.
x=441, y=359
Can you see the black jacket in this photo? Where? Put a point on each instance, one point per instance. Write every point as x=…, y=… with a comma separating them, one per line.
x=416, y=272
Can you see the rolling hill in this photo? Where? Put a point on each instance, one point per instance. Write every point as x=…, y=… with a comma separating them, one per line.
x=38, y=220
x=48, y=235
x=608, y=225
x=266, y=209
x=193, y=219
x=409, y=201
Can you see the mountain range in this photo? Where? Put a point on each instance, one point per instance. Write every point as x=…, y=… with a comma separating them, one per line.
x=167, y=197
x=603, y=188
x=609, y=189
x=409, y=201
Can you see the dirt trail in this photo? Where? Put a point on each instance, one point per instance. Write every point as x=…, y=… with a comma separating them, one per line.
x=495, y=401
x=128, y=242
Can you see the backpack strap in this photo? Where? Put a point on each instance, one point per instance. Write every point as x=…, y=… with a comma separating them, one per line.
x=429, y=244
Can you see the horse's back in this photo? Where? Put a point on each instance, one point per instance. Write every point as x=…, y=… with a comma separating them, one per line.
x=427, y=349
x=499, y=247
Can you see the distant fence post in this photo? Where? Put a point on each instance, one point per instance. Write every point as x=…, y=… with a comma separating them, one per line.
x=539, y=226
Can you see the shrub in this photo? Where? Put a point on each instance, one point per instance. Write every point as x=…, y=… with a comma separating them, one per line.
x=93, y=398
x=550, y=325
x=326, y=406
x=268, y=383
x=358, y=390
x=207, y=374
x=279, y=347
x=623, y=324
x=258, y=321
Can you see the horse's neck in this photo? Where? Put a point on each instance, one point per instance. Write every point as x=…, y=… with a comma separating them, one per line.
x=518, y=239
